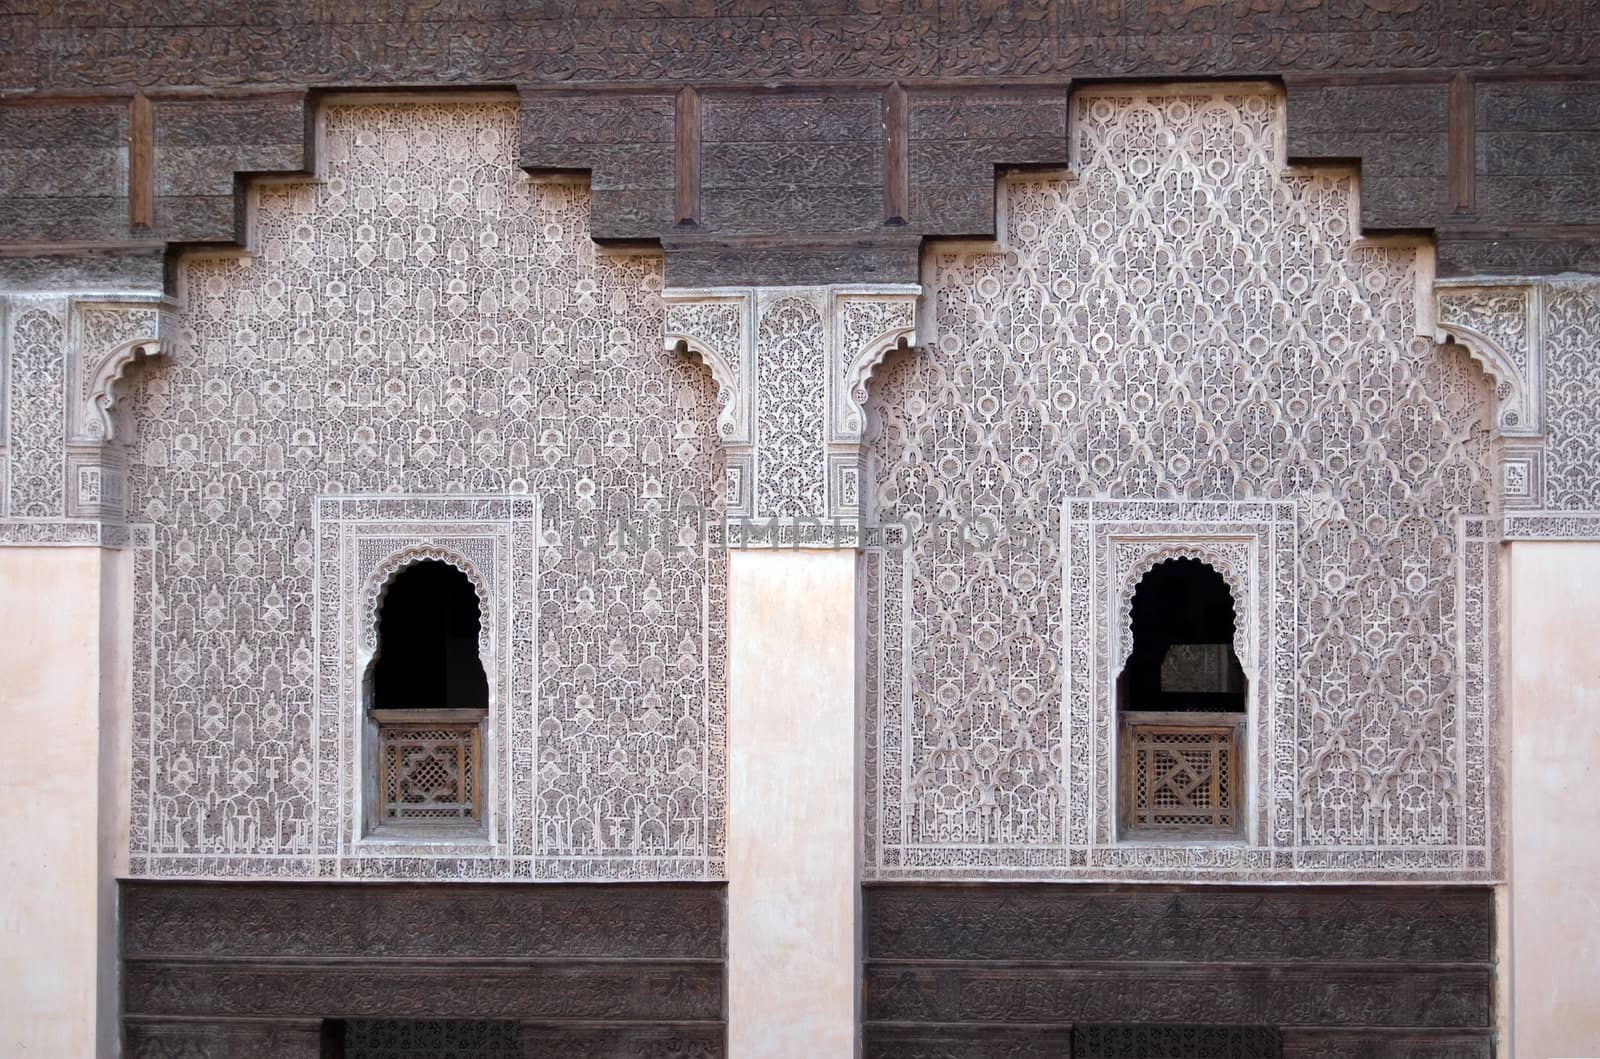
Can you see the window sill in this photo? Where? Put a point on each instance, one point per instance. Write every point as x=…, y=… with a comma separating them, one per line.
x=459, y=837
x=1180, y=841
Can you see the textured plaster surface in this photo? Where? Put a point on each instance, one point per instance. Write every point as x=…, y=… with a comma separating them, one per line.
x=1555, y=743
x=62, y=836
x=792, y=953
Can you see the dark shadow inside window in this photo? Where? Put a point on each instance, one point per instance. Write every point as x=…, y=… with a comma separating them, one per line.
x=1183, y=657
x=427, y=654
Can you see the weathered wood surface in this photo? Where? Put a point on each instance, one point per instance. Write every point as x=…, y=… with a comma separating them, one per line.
x=815, y=130
x=230, y=969
x=1016, y=970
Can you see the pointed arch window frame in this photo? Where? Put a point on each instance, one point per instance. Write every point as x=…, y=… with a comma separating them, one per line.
x=1220, y=735
x=1108, y=545
x=390, y=732
x=354, y=536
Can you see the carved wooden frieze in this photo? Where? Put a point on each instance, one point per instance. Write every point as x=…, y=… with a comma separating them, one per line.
x=833, y=139
x=1002, y=969
x=623, y=972
x=384, y=44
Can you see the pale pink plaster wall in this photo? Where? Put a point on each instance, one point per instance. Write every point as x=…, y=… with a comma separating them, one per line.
x=1555, y=799
x=63, y=812
x=792, y=812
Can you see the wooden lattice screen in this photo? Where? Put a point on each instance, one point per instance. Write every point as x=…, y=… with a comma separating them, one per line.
x=429, y=764
x=1091, y=1041
x=1181, y=773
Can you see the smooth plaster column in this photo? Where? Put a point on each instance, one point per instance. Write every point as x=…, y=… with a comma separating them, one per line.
x=1554, y=799
x=64, y=694
x=793, y=887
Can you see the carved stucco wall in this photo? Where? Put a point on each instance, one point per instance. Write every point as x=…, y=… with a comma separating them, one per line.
x=1182, y=323
x=424, y=321
x=62, y=444
x=1540, y=342
x=791, y=366
x=1187, y=323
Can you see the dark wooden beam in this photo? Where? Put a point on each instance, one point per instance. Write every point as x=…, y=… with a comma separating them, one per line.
x=896, y=156
x=686, y=159
x=141, y=163
x=1463, y=145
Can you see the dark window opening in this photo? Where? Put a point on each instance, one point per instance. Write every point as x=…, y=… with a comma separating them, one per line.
x=420, y=1039
x=428, y=697
x=1181, y=708
x=1156, y=1041
x=1183, y=657
x=428, y=642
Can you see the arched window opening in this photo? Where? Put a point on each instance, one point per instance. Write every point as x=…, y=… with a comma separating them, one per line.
x=428, y=642
x=1181, y=699
x=1183, y=657
x=427, y=697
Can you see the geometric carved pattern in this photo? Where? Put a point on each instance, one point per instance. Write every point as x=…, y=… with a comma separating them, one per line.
x=792, y=366
x=424, y=326
x=428, y=771
x=1185, y=321
x=1002, y=968
x=37, y=405
x=1185, y=776
x=790, y=388
x=579, y=971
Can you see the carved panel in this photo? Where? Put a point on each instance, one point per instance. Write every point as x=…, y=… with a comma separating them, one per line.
x=1537, y=339
x=1288, y=996
x=112, y=335
x=62, y=462
x=1499, y=325
x=790, y=402
x=868, y=326
x=792, y=366
x=1564, y=471
x=36, y=448
x=229, y=969
x=778, y=163
x=1183, y=321
x=425, y=321
x=157, y=1039
x=1091, y=924
x=1570, y=331
x=5, y=401
x=657, y=991
x=962, y=969
x=418, y=922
